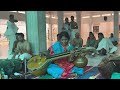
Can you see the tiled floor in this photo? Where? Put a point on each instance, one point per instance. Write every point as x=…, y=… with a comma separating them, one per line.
x=94, y=61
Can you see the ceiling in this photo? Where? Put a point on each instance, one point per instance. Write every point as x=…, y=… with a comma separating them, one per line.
x=83, y=13
x=20, y=14
x=69, y=13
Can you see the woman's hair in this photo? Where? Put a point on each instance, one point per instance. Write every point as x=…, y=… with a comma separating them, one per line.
x=65, y=34
x=101, y=34
x=58, y=35
x=91, y=33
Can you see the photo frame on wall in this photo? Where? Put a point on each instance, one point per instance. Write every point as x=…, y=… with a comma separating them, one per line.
x=95, y=29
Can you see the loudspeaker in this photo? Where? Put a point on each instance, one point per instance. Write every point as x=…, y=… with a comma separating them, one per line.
x=105, y=18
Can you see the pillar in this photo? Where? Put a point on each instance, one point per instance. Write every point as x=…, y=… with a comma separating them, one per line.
x=60, y=20
x=116, y=23
x=51, y=32
x=36, y=30
x=91, y=24
x=78, y=19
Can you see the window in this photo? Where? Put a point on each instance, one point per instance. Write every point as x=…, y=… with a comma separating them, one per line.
x=95, y=29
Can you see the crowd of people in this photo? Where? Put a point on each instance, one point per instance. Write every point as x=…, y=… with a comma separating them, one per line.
x=67, y=40
x=103, y=45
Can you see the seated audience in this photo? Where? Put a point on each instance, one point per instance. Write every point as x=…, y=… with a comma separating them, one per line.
x=113, y=39
x=15, y=42
x=23, y=50
x=77, y=41
x=91, y=40
x=105, y=45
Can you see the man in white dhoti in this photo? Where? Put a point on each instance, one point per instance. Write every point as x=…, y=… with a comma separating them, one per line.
x=105, y=44
x=10, y=32
x=23, y=50
x=73, y=27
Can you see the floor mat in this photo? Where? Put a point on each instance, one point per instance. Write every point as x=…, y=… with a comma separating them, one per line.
x=88, y=72
x=91, y=71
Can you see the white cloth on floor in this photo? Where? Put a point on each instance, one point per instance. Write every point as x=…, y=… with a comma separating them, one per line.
x=21, y=56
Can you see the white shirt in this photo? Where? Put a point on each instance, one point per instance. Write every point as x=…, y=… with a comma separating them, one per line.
x=66, y=26
x=106, y=44
x=11, y=28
